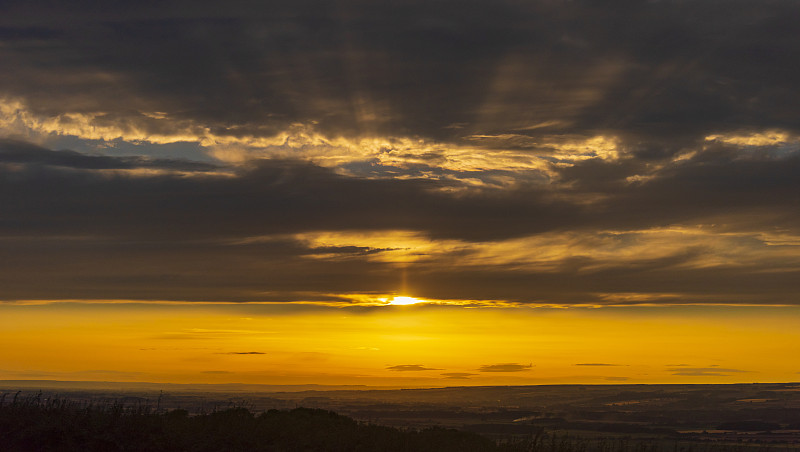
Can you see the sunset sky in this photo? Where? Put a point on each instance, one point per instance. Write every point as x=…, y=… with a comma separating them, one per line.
x=405, y=194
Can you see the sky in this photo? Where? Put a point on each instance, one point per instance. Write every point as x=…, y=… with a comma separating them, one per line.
x=406, y=193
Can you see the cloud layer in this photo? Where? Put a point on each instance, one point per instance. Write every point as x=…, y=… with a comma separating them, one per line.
x=657, y=70
x=533, y=153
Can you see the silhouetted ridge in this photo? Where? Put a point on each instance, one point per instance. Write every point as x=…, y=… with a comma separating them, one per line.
x=58, y=425
x=65, y=426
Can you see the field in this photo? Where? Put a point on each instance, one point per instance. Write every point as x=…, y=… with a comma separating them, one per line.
x=534, y=418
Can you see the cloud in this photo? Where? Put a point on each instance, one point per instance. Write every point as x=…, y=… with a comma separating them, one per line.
x=458, y=375
x=528, y=67
x=339, y=234
x=505, y=367
x=21, y=152
x=244, y=353
x=713, y=371
x=649, y=160
x=616, y=378
x=410, y=368
x=203, y=333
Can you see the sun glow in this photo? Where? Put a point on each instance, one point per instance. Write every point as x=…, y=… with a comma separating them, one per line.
x=408, y=347
x=401, y=301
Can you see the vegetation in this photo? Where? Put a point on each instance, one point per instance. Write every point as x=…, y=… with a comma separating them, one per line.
x=53, y=424
x=36, y=424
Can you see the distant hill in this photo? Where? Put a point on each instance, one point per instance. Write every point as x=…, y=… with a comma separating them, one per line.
x=142, y=386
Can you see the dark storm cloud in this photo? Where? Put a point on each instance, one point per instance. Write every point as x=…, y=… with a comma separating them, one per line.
x=273, y=197
x=650, y=72
x=267, y=198
x=69, y=230
x=750, y=193
x=20, y=152
x=661, y=77
x=749, y=284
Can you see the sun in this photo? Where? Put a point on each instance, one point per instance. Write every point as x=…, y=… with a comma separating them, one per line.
x=402, y=301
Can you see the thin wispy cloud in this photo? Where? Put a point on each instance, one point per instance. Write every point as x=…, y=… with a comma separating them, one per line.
x=505, y=367
x=410, y=368
x=714, y=371
x=458, y=375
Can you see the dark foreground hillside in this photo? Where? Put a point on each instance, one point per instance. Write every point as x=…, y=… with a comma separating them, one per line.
x=36, y=424
x=62, y=426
